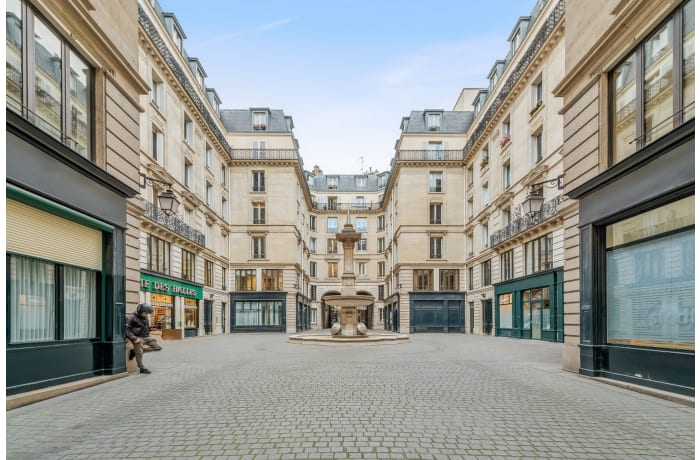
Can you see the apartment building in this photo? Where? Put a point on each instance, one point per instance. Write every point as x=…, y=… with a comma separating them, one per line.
x=629, y=155
x=183, y=254
x=72, y=162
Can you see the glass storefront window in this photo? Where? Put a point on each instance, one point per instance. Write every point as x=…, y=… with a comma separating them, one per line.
x=658, y=99
x=259, y=313
x=505, y=308
x=191, y=313
x=246, y=280
x=162, y=317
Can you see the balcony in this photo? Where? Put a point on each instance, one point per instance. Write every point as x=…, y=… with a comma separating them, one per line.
x=265, y=154
x=549, y=209
x=344, y=206
x=429, y=155
x=173, y=223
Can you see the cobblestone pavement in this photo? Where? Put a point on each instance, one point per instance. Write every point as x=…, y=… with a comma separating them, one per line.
x=441, y=396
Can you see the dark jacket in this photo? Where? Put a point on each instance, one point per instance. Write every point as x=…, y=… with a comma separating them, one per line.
x=136, y=326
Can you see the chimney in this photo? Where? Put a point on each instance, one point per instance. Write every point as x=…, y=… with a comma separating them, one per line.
x=317, y=171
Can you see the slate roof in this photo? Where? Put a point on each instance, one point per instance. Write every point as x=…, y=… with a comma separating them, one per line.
x=453, y=122
x=241, y=121
x=346, y=182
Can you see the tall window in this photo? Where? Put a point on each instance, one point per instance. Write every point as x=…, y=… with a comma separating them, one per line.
x=332, y=224
x=157, y=97
x=313, y=293
x=312, y=270
x=209, y=194
x=58, y=85
x=259, y=121
x=361, y=224
x=643, y=111
x=332, y=269
x=435, y=213
x=470, y=276
x=258, y=184
x=434, y=150
x=505, y=217
x=188, y=130
x=223, y=174
x=312, y=245
x=470, y=244
x=224, y=208
x=332, y=246
x=538, y=254
x=436, y=247
x=224, y=280
x=361, y=244
x=536, y=146
x=470, y=208
x=449, y=280
x=380, y=223
x=246, y=280
x=537, y=92
x=362, y=269
x=506, y=175
x=485, y=194
x=435, y=178
x=189, y=174
x=485, y=235
x=332, y=202
x=258, y=247
x=258, y=213
x=188, y=265
x=360, y=181
x=272, y=280
x=380, y=268
x=208, y=273
x=433, y=121
x=507, y=267
x=423, y=280
x=157, y=140
x=359, y=202
x=258, y=149
x=332, y=182
x=312, y=222
x=486, y=273
x=34, y=288
x=158, y=255
x=380, y=245
x=470, y=176
x=208, y=157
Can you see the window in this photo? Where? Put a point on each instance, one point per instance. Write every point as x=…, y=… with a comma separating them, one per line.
x=359, y=202
x=258, y=247
x=208, y=273
x=272, y=280
x=188, y=130
x=158, y=255
x=470, y=208
x=507, y=267
x=258, y=184
x=471, y=278
x=258, y=213
x=485, y=235
x=332, y=182
x=536, y=146
x=506, y=175
x=485, y=194
x=34, y=288
x=449, y=280
x=436, y=247
x=332, y=269
x=189, y=174
x=314, y=319
x=188, y=265
x=470, y=176
x=643, y=111
x=224, y=208
x=505, y=131
x=332, y=202
x=486, y=273
x=484, y=157
x=258, y=150
x=505, y=217
x=433, y=121
x=362, y=269
x=361, y=244
x=209, y=194
x=332, y=246
x=207, y=235
x=208, y=157
x=435, y=213
x=434, y=150
x=380, y=245
x=223, y=175
x=223, y=279
x=157, y=97
x=157, y=145
x=435, y=181
x=258, y=314
x=313, y=293
x=312, y=222
x=423, y=280
x=312, y=245
x=332, y=224
x=536, y=91
x=515, y=42
x=361, y=224
x=470, y=245
x=246, y=280
x=259, y=121
x=61, y=107
x=505, y=309
x=312, y=269
x=360, y=181
x=380, y=295
x=380, y=223
x=380, y=268
x=538, y=254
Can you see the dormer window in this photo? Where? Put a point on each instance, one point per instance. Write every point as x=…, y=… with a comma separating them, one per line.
x=361, y=181
x=433, y=121
x=259, y=121
x=477, y=107
x=332, y=182
x=515, y=42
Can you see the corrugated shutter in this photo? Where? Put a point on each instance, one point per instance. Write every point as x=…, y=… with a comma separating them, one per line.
x=36, y=233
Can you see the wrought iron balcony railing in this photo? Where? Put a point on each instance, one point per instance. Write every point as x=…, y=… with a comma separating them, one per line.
x=344, y=206
x=173, y=223
x=264, y=154
x=429, y=155
x=519, y=225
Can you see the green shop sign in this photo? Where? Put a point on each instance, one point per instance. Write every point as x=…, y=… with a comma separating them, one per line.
x=163, y=286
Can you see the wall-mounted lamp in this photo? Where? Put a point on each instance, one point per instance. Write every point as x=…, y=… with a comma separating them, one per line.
x=535, y=198
x=167, y=201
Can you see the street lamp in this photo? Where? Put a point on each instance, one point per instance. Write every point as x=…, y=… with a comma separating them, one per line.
x=167, y=200
x=535, y=198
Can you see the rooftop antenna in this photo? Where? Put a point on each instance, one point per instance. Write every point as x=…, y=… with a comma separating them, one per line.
x=362, y=163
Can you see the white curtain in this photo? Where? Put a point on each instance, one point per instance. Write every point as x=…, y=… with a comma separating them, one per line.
x=79, y=304
x=32, y=300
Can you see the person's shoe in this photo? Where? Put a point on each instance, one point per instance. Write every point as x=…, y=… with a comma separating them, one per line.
x=132, y=353
x=145, y=371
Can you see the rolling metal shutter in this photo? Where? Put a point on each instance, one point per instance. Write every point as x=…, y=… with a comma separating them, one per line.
x=39, y=234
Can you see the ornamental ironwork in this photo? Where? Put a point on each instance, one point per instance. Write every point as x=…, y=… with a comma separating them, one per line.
x=520, y=224
x=265, y=154
x=429, y=155
x=173, y=223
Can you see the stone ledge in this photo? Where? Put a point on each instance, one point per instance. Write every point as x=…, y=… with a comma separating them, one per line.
x=31, y=397
x=667, y=395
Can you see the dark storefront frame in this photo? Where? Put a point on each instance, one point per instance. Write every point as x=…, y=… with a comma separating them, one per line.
x=553, y=281
x=437, y=311
x=258, y=297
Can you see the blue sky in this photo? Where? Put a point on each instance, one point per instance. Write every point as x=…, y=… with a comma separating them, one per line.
x=347, y=71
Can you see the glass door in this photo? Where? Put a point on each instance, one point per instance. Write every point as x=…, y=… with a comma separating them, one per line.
x=536, y=311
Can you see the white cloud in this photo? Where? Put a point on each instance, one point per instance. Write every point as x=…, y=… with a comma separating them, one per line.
x=261, y=28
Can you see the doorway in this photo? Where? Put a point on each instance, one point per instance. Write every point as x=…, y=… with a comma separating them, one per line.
x=207, y=317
